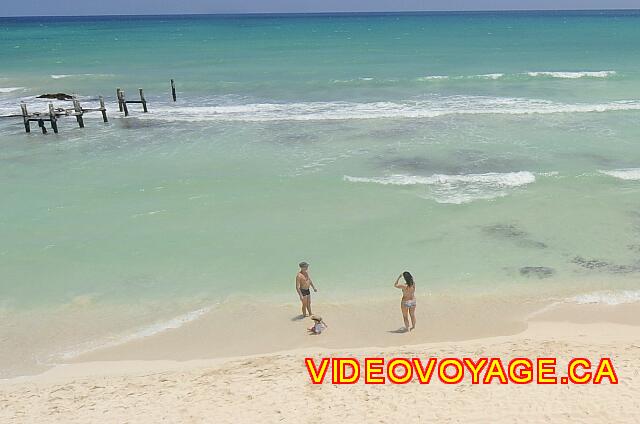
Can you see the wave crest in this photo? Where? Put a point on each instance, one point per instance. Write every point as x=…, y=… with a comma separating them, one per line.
x=339, y=110
x=572, y=75
x=629, y=174
x=10, y=89
x=151, y=330
x=62, y=76
x=607, y=297
x=458, y=189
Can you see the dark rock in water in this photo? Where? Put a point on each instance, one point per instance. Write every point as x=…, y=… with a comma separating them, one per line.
x=510, y=231
x=56, y=96
x=590, y=263
x=537, y=271
x=504, y=230
x=413, y=165
x=624, y=269
x=135, y=123
x=600, y=265
x=532, y=243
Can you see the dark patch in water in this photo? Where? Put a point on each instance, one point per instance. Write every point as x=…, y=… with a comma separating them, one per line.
x=297, y=138
x=479, y=162
x=537, y=271
x=635, y=215
x=634, y=247
x=466, y=161
x=601, y=265
x=510, y=231
x=601, y=161
x=504, y=230
x=533, y=244
x=55, y=96
x=590, y=263
x=390, y=132
x=412, y=165
x=134, y=124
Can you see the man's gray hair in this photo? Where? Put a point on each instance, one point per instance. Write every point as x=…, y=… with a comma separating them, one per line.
x=303, y=264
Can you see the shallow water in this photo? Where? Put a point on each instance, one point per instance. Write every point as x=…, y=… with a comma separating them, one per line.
x=481, y=151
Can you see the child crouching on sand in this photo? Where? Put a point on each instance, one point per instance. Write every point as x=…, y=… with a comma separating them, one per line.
x=319, y=325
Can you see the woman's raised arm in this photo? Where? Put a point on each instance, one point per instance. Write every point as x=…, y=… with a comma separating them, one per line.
x=396, y=284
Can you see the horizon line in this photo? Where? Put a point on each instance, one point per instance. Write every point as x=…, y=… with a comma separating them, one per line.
x=399, y=12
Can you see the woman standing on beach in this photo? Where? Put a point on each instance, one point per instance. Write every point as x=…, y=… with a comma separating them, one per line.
x=408, y=302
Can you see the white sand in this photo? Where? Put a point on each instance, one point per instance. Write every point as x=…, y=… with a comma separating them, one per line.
x=275, y=387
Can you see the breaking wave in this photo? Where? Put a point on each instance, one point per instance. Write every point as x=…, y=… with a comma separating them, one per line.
x=338, y=110
x=151, y=330
x=61, y=76
x=10, y=89
x=518, y=76
x=458, y=189
x=573, y=75
x=629, y=174
x=607, y=297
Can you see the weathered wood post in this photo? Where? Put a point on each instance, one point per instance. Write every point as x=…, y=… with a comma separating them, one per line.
x=41, y=125
x=25, y=117
x=124, y=103
x=173, y=89
x=119, y=96
x=143, y=101
x=103, y=110
x=53, y=120
x=78, y=111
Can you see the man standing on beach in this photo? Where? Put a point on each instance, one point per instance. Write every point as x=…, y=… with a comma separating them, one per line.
x=303, y=284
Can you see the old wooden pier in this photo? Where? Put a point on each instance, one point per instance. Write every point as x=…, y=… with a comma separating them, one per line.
x=54, y=114
x=122, y=102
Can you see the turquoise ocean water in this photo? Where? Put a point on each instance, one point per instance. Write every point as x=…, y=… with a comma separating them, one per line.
x=482, y=151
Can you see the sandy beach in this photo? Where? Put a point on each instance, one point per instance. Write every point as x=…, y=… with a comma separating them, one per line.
x=154, y=256
x=150, y=381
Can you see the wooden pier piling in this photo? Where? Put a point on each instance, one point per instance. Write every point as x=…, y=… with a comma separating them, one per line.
x=122, y=101
x=173, y=89
x=78, y=112
x=25, y=117
x=53, y=119
x=143, y=100
x=103, y=110
x=119, y=97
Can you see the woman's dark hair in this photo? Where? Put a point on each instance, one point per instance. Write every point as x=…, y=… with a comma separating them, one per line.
x=408, y=278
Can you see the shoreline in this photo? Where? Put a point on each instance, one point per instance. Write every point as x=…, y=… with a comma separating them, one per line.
x=244, y=327
x=245, y=387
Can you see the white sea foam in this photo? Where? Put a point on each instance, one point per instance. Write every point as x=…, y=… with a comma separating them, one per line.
x=431, y=108
x=493, y=76
x=572, y=75
x=353, y=80
x=607, y=297
x=433, y=77
x=629, y=174
x=141, y=333
x=533, y=74
x=10, y=89
x=457, y=189
x=604, y=297
x=489, y=76
x=61, y=76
